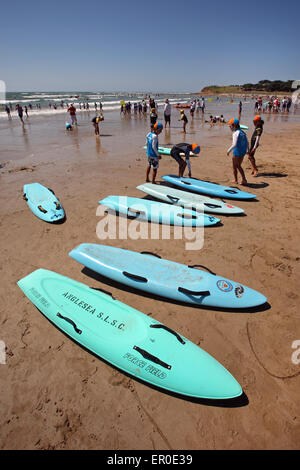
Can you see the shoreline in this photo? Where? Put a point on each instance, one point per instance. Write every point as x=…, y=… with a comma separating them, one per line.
x=54, y=394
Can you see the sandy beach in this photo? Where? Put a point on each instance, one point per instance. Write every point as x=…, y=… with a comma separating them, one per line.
x=53, y=393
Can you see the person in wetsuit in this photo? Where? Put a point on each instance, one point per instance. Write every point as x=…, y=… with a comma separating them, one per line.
x=185, y=148
x=258, y=124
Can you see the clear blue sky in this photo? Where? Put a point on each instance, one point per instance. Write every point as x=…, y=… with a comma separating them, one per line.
x=133, y=45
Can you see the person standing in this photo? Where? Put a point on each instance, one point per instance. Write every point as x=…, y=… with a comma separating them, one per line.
x=152, y=151
x=254, y=143
x=192, y=108
x=7, y=109
x=167, y=113
x=240, y=148
x=72, y=112
x=153, y=117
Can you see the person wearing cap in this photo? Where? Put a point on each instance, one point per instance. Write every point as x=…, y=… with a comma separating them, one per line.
x=185, y=148
x=152, y=151
x=184, y=119
x=240, y=148
x=258, y=124
x=96, y=121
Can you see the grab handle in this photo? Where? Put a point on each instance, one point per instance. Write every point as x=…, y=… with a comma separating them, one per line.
x=136, y=212
x=135, y=277
x=187, y=216
x=152, y=358
x=231, y=191
x=192, y=292
x=211, y=206
x=71, y=322
x=159, y=325
x=173, y=199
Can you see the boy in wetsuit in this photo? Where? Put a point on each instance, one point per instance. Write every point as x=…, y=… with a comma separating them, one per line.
x=258, y=123
x=152, y=151
x=240, y=148
x=184, y=119
x=186, y=149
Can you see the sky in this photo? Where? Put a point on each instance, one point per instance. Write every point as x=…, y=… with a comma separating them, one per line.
x=167, y=45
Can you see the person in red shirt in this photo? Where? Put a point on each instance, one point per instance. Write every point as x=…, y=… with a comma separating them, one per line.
x=72, y=111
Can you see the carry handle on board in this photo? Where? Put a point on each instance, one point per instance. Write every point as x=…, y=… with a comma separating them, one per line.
x=71, y=322
x=187, y=216
x=135, y=277
x=173, y=199
x=152, y=358
x=192, y=292
x=211, y=206
x=40, y=208
x=159, y=325
x=136, y=212
x=231, y=191
x=150, y=253
x=194, y=266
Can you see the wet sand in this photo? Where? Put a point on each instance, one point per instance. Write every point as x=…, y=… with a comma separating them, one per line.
x=54, y=394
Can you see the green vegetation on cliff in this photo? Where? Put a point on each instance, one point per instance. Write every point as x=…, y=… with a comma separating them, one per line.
x=263, y=86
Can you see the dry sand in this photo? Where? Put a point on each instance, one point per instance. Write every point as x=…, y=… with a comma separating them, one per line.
x=55, y=395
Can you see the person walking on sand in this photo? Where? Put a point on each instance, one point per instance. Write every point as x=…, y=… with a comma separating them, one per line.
x=152, y=151
x=254, y=143
x=7, y=109
x=167, y=113
x=20, y=112
x=240, y=148
x=184, y=119
x=185, y=148
x=72, y=111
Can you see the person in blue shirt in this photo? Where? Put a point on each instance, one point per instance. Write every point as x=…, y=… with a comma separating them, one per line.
x=152, y=151
x=239, y=147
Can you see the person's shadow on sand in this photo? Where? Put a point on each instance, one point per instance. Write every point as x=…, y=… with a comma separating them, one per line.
x=273, y=175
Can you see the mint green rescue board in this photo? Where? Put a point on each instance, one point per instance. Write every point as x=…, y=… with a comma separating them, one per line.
x=127, y=338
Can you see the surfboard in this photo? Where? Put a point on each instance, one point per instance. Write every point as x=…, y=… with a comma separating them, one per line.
x=205, y=187
x=43, y=202
x=166, y=278
x=157, y=212
x=167, y=151
x=128, y=339
x=189, y=200
x=242, y=126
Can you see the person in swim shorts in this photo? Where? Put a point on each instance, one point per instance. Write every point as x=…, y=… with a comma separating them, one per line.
x=152, y=151
x=259, y=124
x=240, y=148
x=185, y=148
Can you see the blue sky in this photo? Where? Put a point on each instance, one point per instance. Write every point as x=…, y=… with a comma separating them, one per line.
x=168, y=46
